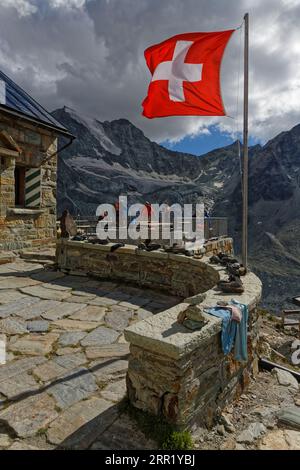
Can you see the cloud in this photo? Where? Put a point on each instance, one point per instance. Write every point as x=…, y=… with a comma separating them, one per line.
x=88, y=54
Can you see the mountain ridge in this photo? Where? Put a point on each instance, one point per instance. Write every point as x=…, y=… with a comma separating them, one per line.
x=112, y=158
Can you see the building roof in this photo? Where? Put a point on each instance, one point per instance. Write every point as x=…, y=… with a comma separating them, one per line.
x=14, y=100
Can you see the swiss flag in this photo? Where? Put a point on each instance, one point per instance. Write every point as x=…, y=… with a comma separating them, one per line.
x=186, y=75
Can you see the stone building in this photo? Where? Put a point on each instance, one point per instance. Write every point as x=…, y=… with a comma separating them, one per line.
x=28, y=163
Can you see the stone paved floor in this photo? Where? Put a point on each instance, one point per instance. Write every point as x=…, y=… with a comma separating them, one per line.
x=67, y=359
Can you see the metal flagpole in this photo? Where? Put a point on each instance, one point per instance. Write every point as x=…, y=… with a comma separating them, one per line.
x=245, y=145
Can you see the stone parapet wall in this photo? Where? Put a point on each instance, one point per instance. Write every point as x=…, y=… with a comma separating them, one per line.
x=21, y=229
x=173, y=372
x=176, y=274
x=183, y=375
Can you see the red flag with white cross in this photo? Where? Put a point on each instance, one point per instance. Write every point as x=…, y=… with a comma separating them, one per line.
x=186, y=75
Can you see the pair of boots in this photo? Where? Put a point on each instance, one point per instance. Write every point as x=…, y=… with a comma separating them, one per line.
x=236, y=269
x=177, y=249
x=147, y=245
x=232, y=285
x=223, y=259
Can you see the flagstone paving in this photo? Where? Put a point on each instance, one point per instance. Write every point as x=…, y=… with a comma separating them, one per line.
x=67, y=359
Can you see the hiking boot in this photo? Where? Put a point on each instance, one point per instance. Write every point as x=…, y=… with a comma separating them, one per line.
x=232, y=278
x=214, y=259
x=232, y=288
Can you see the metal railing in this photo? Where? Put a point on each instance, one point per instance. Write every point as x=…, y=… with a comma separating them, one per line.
x=213, y=226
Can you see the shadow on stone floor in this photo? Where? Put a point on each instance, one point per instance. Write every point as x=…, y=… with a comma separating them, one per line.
x=67, y=377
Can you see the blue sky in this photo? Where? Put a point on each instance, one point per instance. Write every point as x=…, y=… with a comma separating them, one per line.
x=204, y=143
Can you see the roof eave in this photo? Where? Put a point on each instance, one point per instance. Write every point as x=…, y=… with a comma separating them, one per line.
x=58, y=130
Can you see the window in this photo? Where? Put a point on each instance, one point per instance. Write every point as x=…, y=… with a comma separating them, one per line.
x=20, y=186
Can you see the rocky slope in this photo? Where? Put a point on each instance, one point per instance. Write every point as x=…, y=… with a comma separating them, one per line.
x=112, y=158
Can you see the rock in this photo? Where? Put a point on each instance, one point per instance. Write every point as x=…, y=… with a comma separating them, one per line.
x=290, y=416
x=18, y=305
x=13, y=326
x=37, y=309
x=44, y=293
x=56, y=286
x=10, y=296
x=58, y=366
x=71, y=338
x=90, y=314
x=265, y=414
x=254, y=431
x=285, y=378
x=78, y=299
x=77, y=427
x=66, y=350
x=239, y=447
x=48, y=371
x=113, y=350
x=28, y=416
x=102, y=301
x=77, y=385
x=70, y=361
x=228, y=444
x=62, y=310
x=17, y=282
x=81, y=293
x=106, y=370
x=225, y=420
x=38, y=326
x=115, y=391
x=4, y=440
x=280, y=439
x=17, y=385
x=118, y=320
x=21, y=445
x=77, y=325
x=135, y=303
x=297, y=401
x=100, y=336
x=48, y=276
x=123, y=433
x=34, y=345
x=18, y=367
x=221, y=430
x=142, y=314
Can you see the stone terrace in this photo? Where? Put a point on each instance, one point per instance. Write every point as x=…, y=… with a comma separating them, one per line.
x=67, y=358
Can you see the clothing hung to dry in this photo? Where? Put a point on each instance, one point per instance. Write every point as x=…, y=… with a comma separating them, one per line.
x=234, y=317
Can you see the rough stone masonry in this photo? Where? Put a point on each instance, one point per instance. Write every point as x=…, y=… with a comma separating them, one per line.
x=22, y=227
x=173, y=372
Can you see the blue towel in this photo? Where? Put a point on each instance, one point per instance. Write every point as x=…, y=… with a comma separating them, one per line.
x=232, y=331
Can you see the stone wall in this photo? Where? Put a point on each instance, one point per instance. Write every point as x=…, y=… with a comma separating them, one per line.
x=177, y=274
x=183, y=375
x=22, y=227
x=174, y=372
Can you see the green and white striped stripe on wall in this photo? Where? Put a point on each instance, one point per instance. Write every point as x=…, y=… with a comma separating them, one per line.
x=33, y=187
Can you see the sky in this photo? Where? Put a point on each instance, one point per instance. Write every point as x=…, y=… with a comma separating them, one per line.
x=89, y=55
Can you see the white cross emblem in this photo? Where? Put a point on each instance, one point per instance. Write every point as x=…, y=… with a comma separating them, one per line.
x=177, y=71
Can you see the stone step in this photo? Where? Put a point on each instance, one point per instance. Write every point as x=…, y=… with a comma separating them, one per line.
x=47, y=262
x=38, y=255
x=7, y=257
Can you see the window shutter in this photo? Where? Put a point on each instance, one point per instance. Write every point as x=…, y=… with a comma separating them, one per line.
x=33, y=187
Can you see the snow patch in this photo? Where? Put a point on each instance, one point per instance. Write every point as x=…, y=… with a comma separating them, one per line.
x=96, y=129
